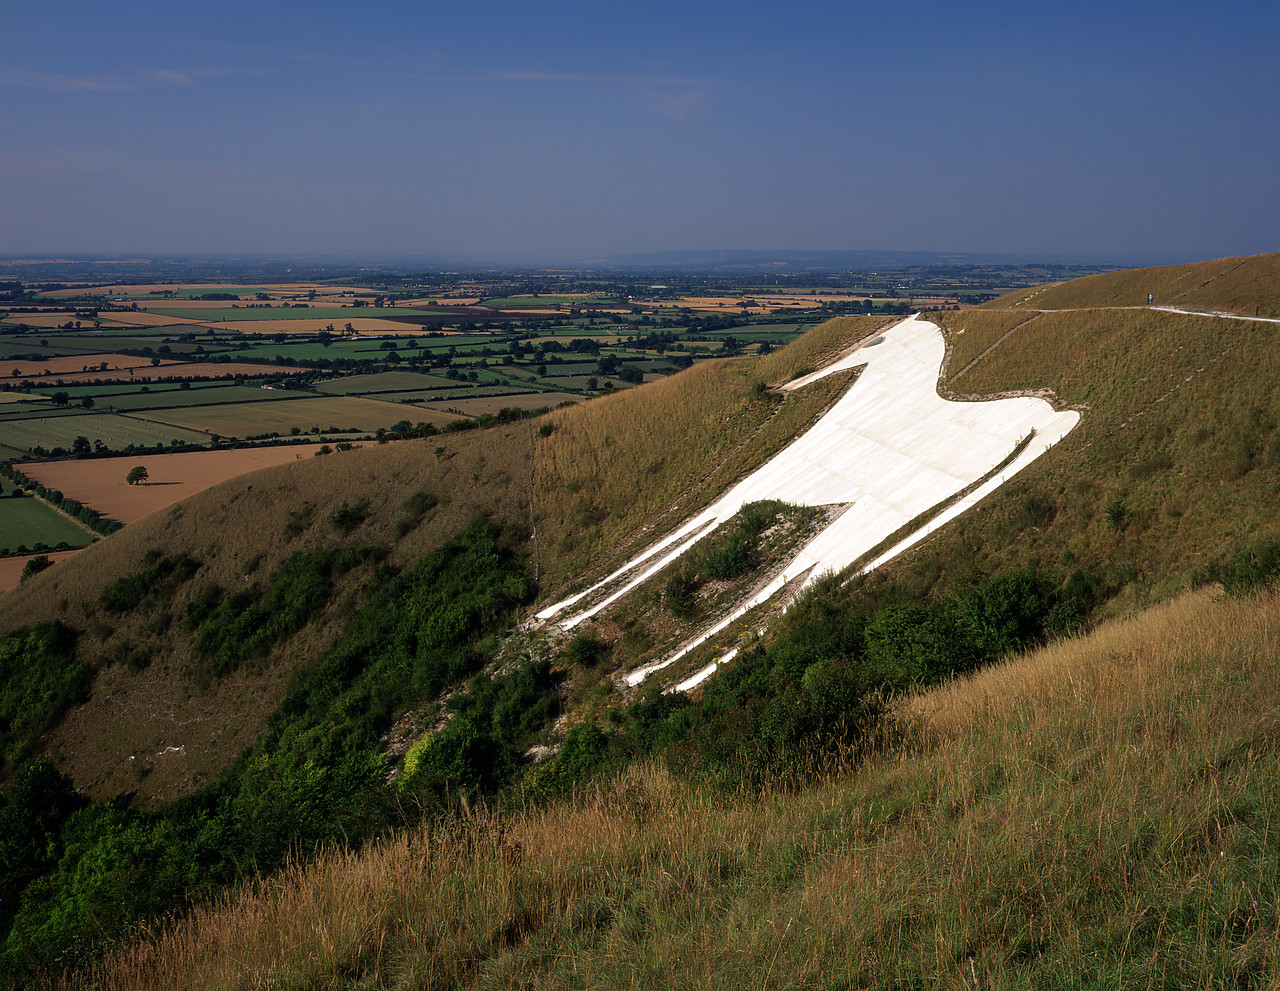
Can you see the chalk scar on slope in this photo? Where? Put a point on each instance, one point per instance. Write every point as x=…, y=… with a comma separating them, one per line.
x=891, y=446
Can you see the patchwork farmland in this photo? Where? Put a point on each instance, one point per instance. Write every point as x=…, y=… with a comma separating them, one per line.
x=104, y=377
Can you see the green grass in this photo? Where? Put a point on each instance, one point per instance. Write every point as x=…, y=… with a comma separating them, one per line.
x=29, y=521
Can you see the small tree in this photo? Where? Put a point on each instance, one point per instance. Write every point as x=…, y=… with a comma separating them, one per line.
x=34, y=566
x=137, y=474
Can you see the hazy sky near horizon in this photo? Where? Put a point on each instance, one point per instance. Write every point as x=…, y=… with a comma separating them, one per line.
x=562, y=131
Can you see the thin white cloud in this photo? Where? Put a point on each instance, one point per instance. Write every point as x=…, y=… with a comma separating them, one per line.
x=63, y=83
x=516, y=75
x=685, y=107
x=169, y=76
x=56, y=82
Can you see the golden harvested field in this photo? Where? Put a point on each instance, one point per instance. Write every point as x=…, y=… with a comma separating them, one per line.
x=77, y=363
x=44, y=319
x=11, y=567
x=309, y=325
x=764, y=302
x=100, y=482
x=180, y=303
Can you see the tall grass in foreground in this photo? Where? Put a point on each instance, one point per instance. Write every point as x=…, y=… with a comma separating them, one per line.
x=1101, y=813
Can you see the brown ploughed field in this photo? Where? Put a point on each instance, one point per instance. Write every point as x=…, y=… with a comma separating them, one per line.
x=100, y=482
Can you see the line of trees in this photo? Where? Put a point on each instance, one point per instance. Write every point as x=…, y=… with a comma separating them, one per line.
x=72, y=507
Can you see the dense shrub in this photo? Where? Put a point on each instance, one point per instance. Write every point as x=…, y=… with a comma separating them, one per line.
x=1252, y=569
x=586, y=650
x=40, y=678
x=155, y=583
x=250, y=622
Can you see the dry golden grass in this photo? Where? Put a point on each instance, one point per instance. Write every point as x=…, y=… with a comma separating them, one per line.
x=1248, y=285
x=1101, y=813
x=970, y=333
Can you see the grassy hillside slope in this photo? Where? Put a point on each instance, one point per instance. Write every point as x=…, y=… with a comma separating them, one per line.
x=1099, y=813
x=287, y=603
x=1177, y=454
x=1249, y=285
x=570, y=489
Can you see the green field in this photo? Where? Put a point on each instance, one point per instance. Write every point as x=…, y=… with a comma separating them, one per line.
x=36, y=411
x=115, y=430
x=109, y=342
x=184, y=398
x=22, y=345
x=253, y=419
x=379, y=382
x=774, y=333
x=310, y=351
x=28, y=521
x=121, y=389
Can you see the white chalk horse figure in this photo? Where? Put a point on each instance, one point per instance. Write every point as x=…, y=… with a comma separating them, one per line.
x=891, y=447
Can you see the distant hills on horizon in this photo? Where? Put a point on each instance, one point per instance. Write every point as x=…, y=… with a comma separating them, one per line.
x=711, y=260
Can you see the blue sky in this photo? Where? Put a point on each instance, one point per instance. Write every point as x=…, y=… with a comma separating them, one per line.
x=559, y=132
